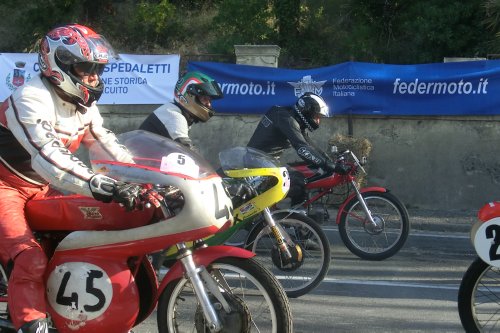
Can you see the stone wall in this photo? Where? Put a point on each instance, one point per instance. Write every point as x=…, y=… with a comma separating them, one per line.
x=429, y=162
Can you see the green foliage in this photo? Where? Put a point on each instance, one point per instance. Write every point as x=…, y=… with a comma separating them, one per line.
x=415, y=32
x=310, y=33
x=491, y=21
x=243, y=22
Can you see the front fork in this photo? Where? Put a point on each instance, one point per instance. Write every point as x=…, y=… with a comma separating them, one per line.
x=279, y=234
x=202, y=280
x=363, y=203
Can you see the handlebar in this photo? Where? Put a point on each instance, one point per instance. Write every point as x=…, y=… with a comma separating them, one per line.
x=340, y=158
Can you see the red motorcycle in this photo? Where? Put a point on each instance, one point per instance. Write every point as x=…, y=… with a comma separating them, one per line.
x=373, y=223
x=479, y=290
x=99, y=278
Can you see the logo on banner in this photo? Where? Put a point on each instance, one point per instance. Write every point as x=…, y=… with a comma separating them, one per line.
x=18, y=76
x=307, y=84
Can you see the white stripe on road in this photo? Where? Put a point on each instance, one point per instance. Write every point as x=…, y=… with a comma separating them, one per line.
x=421, y=234
x=377, y=283
x=391, y=284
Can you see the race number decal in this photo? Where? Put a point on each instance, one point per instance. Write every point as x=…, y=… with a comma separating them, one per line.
x=79, y=291
x=486, y=241
x=180, y=163
x=286, y=180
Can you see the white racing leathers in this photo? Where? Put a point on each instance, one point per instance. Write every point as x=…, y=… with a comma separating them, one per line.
x=40, y=131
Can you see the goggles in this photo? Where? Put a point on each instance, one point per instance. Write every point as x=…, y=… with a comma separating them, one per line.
x=89, y=68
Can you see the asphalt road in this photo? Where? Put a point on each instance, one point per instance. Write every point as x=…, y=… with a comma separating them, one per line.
x=414, y=291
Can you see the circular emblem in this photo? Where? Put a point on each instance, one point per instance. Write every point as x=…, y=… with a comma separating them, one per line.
x=486, y=240
x=79, y=291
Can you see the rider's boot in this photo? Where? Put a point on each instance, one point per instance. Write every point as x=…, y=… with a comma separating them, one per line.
x=35, y=326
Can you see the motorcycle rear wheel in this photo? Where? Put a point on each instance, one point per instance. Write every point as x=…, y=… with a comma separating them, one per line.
x=264, y=298
x=478, y=297
x=308, y=271
x=379, y=242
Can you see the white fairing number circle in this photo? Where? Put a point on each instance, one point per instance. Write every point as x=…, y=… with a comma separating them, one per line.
x=181, y=164
x=286, y=180
x=79, y=291
x=487, y=242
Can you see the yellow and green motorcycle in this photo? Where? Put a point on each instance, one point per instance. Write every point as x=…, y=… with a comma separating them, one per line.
x=288, y=243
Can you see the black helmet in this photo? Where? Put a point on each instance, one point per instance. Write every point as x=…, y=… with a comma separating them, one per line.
x=308, y=108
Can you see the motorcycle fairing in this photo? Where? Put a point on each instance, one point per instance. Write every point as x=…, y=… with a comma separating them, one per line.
x=91, y=294
x=190, y=223
x=268, y=198
x=353, y=195
x=489, y=211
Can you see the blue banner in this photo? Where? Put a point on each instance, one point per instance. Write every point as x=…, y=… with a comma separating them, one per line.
x=454, y=88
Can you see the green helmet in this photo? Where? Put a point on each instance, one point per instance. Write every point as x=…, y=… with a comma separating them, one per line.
x=189, y=87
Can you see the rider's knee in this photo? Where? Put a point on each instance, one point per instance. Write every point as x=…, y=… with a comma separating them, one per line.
x=32, y=261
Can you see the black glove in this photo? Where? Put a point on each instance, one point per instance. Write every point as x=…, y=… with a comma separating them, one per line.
x=128, y=195
x=102, y=187
x=342, y=168
x=131, y=196
x=337, y=167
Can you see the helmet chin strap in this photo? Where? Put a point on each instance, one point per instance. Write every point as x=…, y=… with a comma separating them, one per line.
x=304, y=120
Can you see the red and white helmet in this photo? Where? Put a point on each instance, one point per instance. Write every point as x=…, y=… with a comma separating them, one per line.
x=66, y=46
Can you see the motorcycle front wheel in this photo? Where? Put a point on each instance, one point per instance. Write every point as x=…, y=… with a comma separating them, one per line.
x=250, y=289
x=379, y=241
x=309, y=247
x=478, y=297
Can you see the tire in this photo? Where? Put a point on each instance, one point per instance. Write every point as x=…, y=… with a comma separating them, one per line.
x=264, y=298
x=478, y=298
x=382, y=242
x=304, y=274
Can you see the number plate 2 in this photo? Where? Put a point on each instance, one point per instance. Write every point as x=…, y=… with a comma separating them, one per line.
x=485, y=237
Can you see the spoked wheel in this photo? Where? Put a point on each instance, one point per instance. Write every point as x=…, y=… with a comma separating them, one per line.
x=479, y=298
x=258, y=302
x=374, y=241
x=309, y=247
x=4, y=310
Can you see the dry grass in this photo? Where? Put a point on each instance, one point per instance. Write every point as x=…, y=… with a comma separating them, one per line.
x=361, y=147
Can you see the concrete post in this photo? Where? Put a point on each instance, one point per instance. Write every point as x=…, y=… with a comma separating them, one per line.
x=257, y=55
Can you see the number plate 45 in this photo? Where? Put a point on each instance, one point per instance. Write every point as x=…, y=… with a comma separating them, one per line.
x=485, y=237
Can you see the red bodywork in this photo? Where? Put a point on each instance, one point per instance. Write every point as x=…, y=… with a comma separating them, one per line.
x=489, y=211
x=77, y=212
x=116, y=283
x=325, y=185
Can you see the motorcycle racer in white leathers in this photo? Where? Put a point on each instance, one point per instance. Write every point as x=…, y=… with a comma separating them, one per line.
x=41, y=125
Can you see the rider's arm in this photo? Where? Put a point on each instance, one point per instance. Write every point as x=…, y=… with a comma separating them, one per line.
x=291, y=129
x=95, y=132
x=30, y=117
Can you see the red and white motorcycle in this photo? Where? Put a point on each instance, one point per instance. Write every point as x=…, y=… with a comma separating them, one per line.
x=99, y=279
x=479, y=293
